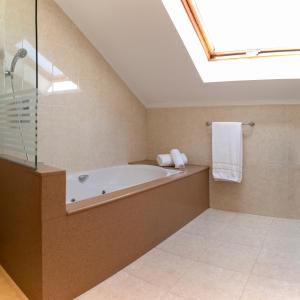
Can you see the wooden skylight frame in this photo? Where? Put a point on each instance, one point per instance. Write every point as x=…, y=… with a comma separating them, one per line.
x=235, y=54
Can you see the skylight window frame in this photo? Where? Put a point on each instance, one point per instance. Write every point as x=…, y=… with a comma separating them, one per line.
x=213, y=55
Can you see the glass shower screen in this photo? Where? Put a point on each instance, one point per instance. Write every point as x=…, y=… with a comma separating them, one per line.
x=18, y=81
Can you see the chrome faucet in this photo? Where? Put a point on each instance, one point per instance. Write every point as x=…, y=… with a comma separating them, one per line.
x=83, y=178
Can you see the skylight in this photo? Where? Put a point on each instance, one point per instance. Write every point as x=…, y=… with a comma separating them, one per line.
x=61, y=82
x=239, y=29
x=63, y=86
x=235, y=28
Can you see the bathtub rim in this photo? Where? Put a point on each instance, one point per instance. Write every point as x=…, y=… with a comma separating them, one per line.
x=83, y=205
x=93, y=171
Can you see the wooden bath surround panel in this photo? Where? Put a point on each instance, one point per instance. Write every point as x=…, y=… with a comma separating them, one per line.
x=54, y=252
x=27, y=198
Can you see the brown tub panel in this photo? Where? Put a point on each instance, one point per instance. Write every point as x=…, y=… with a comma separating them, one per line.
x=21, y=199
x=102, y=240
x=20, y=227
x=53, y=254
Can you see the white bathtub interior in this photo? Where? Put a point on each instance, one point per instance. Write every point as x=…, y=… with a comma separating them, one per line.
x=111, y=179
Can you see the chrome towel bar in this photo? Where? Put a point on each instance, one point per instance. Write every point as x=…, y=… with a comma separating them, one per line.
x=252, y=124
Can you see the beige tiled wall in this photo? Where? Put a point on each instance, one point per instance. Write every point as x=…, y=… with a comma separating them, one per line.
x=271, y=153
x=17, y=25
x=101, y=123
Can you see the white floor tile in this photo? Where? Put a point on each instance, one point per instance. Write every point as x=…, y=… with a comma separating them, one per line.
x=204, y=228
x=278, y=265
x=203, y=282
x=159, y=268
x=243, y=235
x=123, y=286
x=187, y=245
x=261, y=288
x=253, y=221
x=288, y=244
x=285, y=228
x=218, y=215
x=231, y=256
x=170, y=296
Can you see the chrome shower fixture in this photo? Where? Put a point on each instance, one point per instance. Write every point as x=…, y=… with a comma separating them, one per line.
x=21, y=53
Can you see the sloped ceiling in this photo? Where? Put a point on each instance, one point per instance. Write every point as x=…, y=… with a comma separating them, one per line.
x=139, y=40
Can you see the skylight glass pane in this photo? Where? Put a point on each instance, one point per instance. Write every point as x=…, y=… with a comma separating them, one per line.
x=233, y=25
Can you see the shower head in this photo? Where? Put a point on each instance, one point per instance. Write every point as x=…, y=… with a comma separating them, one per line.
x=21, y=53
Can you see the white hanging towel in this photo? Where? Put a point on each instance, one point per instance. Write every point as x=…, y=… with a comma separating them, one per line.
x=227, y=151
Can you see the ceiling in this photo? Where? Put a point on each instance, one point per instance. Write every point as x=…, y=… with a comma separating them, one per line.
x=139, y=40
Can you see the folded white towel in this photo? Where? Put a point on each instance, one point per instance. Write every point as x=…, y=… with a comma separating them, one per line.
x=184, y=157
x=176, y=157
x=165, y=160
x=227, y=151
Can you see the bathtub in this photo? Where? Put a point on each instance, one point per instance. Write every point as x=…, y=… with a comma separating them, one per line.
x=89, y=184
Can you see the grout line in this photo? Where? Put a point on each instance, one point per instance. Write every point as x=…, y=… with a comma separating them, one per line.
x=256, y=259
x=167, y=290
x=148, y=282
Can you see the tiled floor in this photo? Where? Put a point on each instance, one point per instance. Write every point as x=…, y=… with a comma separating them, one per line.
x=219, y=255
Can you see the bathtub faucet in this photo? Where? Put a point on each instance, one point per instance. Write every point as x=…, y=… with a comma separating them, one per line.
x=83, y=178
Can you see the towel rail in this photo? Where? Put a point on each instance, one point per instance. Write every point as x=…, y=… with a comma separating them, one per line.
x=252, y=124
